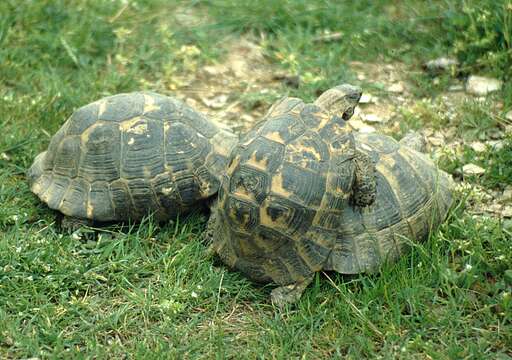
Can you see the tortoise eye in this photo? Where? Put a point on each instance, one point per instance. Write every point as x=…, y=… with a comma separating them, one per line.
x=348, y=113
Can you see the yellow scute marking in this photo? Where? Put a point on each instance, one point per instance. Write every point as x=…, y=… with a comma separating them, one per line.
x=324, y=118
x=388, y=160
x=277, y=185
x=258, y=164
x=274, y=136
x=384, y=169
x=265, y=219
x=231, y=169
x=244, y=195
x=134, y=126
x=149, y=104
x=300, y=148
x=90, y=210
x=103, y=107
x=167, y=190
x=84, y=138
x=312, y=151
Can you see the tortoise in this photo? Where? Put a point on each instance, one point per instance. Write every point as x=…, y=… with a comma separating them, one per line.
x=284, y=209
x=129, y=155
x=286, y=186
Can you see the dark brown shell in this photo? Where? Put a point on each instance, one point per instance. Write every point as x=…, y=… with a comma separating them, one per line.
x=413, y=198
x=284, y=192
x=283, y=212
x=129, y=155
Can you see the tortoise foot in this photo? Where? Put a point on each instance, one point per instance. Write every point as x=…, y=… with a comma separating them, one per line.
x=288, y=294
x=70, y=225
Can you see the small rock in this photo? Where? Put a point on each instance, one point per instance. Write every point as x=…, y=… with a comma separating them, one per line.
x=507, y=212
x=356, y=124
x=366, y=99
x=437, y=139
x=441, y=64
x=396, y=88
x=372, y=118
x=494, y=208
x=191, y=102
x=217, y=102
x=246, y=118
x=478, y=146
x=367, y=129
x=215, y=70
x=507, y=194
x=360, y=126
x=450, y=132
x=496, y=144
x=361, y=76
x=508, y=115
x=456, y=88
x=481, y=86
x=472, y=169
x=428, y=131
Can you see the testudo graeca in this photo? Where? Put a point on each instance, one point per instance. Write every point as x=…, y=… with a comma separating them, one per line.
x=288, y=208
x=130, y=155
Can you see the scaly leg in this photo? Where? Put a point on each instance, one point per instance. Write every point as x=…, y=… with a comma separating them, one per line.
x=289, y=294
x=365, y=184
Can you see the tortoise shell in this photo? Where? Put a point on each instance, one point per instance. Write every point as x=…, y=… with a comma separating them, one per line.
x=413, y=199
x=284, y=192
x=282, y=213
x=129, y=155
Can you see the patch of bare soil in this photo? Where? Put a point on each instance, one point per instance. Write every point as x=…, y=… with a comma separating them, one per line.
x=221, y=85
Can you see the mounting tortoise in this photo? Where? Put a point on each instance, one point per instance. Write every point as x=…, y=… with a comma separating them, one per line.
x=298, y=196
x=128, y=155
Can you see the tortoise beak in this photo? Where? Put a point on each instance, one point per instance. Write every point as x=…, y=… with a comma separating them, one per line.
x=352, y=95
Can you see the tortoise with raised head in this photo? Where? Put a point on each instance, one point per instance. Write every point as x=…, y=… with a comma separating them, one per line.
x=286, y=186
x=128, y=155
x=284, y=209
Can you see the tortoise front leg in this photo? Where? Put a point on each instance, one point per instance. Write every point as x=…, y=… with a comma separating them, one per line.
x=208, y=234
x=289, y=294
x=364, y=190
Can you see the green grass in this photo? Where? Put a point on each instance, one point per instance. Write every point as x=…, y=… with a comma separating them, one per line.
x=152, y=291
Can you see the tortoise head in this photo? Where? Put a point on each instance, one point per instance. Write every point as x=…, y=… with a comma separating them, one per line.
x=340, y=100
